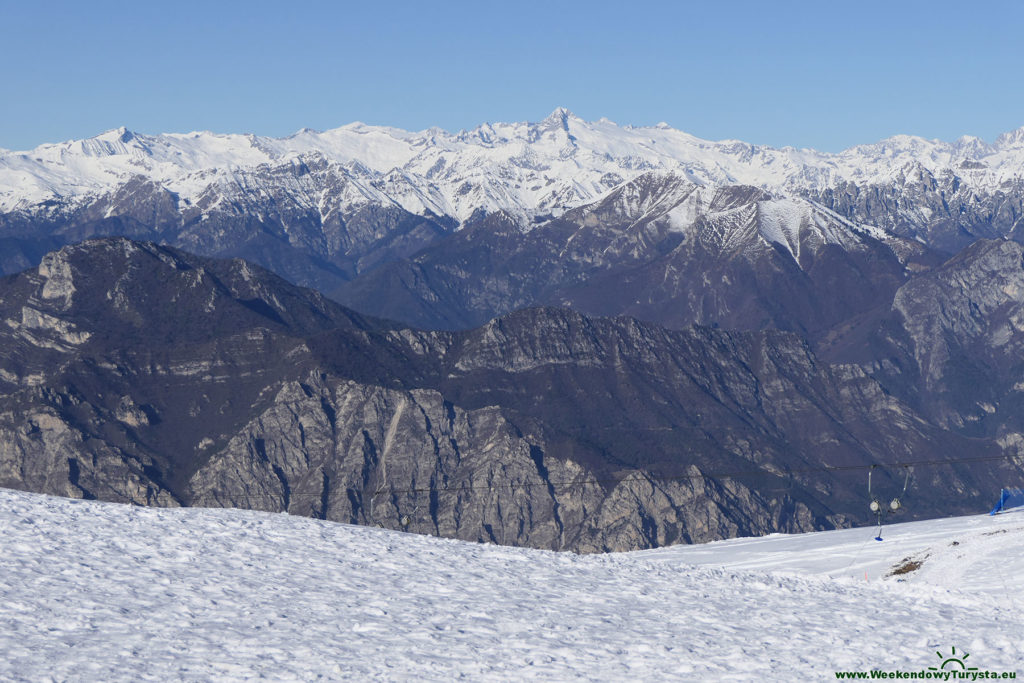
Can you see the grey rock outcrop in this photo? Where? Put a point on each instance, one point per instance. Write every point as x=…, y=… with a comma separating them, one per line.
x=945, y=210
x=41, y=451
x=410, y=460
x=959, y=333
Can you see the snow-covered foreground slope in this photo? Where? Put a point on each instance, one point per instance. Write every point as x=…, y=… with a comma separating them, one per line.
x=94, y=591
x=980, y=555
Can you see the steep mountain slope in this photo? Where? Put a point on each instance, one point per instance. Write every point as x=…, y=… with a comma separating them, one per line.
x=946, y=208
x=660, y=248
x=135, y=372
x=314, y=222
x=952, y=345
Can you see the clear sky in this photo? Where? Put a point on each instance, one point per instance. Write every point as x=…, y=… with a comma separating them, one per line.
x=810, y=74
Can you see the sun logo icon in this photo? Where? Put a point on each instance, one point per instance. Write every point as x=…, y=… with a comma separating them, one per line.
x=953, y=661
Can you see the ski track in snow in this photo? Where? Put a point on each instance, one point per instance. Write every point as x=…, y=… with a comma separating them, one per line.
x=99, y=591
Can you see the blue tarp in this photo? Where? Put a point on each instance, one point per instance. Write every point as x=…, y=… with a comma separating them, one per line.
x=1009, y=498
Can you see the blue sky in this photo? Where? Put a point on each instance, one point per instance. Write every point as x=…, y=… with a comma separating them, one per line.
x=824, y=75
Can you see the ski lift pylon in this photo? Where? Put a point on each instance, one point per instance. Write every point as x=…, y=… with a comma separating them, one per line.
x=894, y=505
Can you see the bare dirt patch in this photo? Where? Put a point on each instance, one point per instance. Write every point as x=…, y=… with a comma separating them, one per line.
x=906, y=566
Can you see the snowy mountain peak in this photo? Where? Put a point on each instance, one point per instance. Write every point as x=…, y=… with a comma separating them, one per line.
x=970, y=146
x=1012, y=140
x=117, y=141
x=120, y=134
x=524, y=169
x=560, y=117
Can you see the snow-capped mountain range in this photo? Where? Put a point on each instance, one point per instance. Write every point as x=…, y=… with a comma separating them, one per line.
x=524, y=169
x=448, y=230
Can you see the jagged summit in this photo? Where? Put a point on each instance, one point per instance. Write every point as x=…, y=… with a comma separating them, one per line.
x=560, y=117
x=1013, y=139
x=543, y=167
x=121, y=134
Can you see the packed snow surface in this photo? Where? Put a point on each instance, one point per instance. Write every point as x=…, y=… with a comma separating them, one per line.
x=97, y=591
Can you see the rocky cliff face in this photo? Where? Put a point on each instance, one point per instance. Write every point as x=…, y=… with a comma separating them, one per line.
x=944, y=210
x=139, y=373
x=957, y=333
x=410, y=460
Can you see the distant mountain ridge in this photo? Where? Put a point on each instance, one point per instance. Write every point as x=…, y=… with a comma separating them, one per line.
x=524, y=169
x=322, y=209
x=660, y=248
